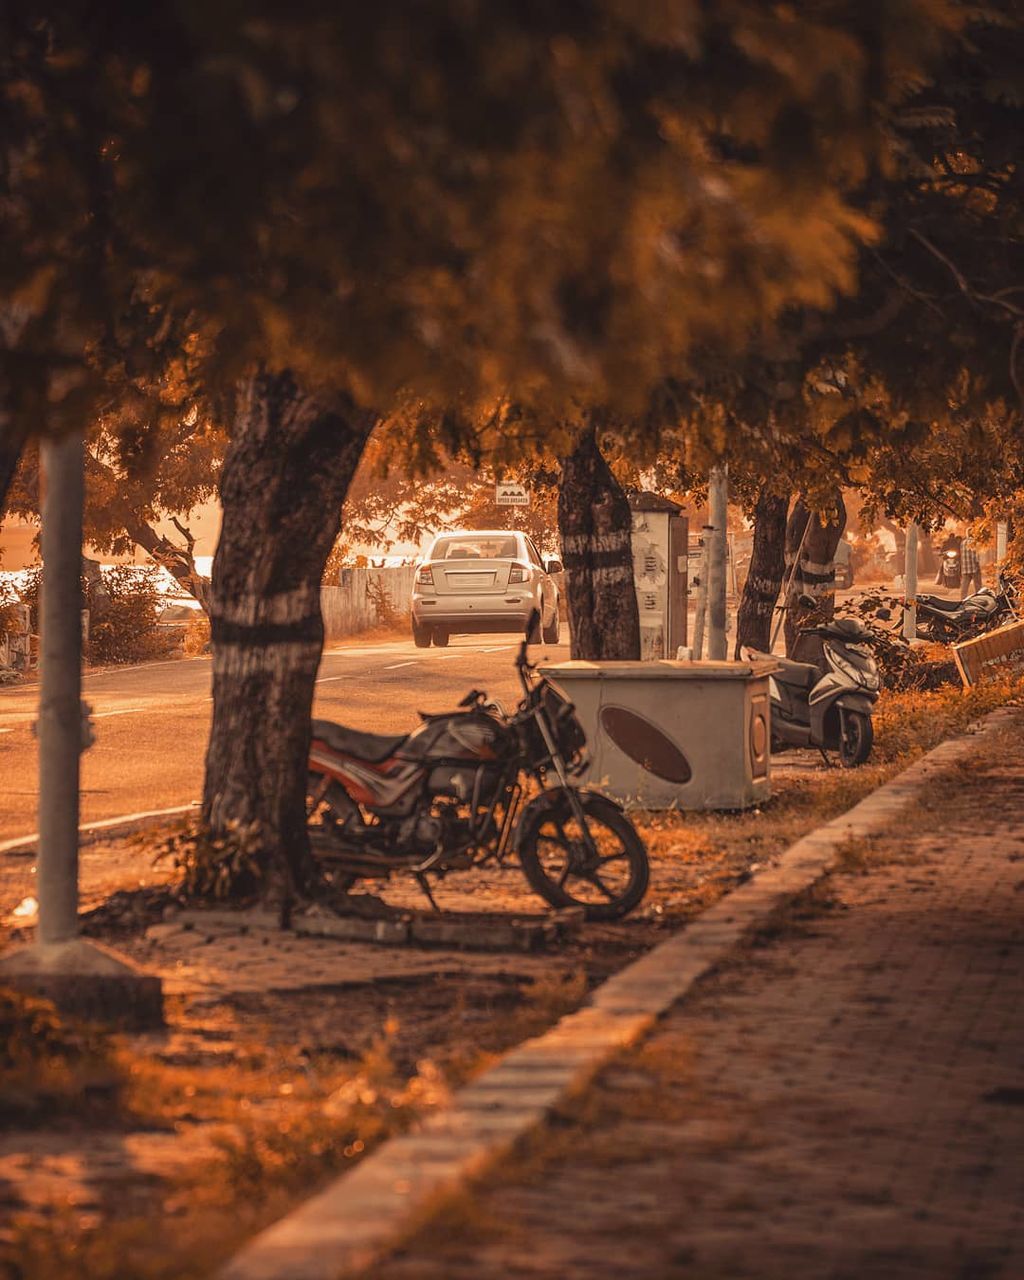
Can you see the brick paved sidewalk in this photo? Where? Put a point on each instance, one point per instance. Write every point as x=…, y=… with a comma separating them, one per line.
x=845, y=1099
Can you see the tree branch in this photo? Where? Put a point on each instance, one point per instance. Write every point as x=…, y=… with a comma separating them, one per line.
x=963, y=283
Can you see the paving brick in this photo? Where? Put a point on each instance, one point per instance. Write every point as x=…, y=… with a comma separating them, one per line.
x=841, y=1103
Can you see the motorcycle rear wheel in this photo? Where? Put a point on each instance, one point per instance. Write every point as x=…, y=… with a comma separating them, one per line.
x=856, y=737
x=608, y=880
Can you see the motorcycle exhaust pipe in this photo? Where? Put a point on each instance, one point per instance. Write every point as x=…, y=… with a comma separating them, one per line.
x=358, y=861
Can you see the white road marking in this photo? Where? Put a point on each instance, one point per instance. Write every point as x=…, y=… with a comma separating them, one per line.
x=395, y=665
x=127, y=711
x=498, y=648
x=328, y=679
x=9, y=846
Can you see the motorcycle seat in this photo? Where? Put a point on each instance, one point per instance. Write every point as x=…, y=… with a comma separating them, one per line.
x=798, y=675
x=371, y=747
x=938, y=602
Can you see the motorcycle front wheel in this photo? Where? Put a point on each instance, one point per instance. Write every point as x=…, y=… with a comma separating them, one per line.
x=606, y=874
x=856, y=736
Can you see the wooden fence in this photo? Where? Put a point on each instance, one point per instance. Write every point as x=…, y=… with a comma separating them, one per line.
x=366, y=598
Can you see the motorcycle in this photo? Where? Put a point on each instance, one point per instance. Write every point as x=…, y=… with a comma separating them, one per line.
x=452, y=795
x=942, y=619
x=949, y=569
x=828, y=708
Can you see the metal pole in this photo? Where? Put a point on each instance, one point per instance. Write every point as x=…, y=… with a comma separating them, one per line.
x=718, y=493
x=702, y=597
x=60, y=688
x=910, y=585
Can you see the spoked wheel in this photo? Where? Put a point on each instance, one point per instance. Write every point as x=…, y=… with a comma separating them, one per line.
x=325, y=819
x=856, y=735
x=604, y=869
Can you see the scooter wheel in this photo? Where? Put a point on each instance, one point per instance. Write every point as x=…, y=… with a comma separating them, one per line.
x=856, y=736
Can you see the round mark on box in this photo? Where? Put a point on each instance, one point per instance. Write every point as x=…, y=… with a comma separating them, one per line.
x=645, y=743
x=758, y=738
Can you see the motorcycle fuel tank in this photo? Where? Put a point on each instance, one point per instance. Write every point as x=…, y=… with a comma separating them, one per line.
x=461, y=735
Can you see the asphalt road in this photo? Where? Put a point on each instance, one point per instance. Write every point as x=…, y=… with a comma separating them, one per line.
x=152, y=721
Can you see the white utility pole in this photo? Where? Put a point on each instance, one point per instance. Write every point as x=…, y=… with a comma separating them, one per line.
x=718, y=496
x=1001, y=538
x=910, y=585
x=60, y=724
x=81, y=977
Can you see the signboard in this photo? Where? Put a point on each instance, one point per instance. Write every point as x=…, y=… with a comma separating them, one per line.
x=507, y=494
x=998, y=653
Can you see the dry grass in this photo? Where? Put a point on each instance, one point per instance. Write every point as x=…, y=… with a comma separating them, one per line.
x=263, y=1135
x=196, y=636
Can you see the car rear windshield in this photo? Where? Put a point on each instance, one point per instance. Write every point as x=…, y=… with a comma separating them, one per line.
x=466, y=548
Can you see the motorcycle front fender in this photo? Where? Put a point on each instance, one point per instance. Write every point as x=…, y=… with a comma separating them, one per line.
x=555, y=802
x=831, y=692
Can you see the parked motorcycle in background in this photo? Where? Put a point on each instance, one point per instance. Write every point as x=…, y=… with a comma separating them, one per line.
x=456, y=793
x=952, y=620
x=830, y=706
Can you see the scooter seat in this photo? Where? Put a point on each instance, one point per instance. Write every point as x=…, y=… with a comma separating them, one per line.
x=798, y=675
x=938, y=602
x=371, y=747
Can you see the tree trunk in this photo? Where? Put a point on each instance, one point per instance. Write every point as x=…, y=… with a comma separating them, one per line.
x=766, y=575
x=815, y=573
x=12, y=442
x=596, y=526
x=287, y=470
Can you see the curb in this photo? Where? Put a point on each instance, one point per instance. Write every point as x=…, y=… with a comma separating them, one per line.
x=122, y=825
x=361, y=1215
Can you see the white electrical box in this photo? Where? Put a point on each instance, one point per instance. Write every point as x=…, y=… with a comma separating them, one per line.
x=659, y=574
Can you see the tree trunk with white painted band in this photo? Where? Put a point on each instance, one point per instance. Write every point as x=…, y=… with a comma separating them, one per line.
x=766, y=574
x=288, y=468
x=815, y=574
x=596, y=526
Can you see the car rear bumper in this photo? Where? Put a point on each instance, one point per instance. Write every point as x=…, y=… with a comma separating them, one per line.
x=473, y=614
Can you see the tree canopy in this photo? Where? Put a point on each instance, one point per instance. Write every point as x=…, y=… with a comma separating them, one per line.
x=557, y=199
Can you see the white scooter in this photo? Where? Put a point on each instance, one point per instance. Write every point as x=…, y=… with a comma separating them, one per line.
x=829, y=709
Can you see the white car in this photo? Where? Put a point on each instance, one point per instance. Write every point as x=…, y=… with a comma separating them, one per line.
x=484, y=580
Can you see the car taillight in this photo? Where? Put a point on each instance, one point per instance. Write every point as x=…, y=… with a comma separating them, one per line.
x=424, y=576
x=518, y=574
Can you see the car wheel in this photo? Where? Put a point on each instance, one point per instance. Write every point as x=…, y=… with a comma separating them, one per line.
x=440, y=637
x=421, y=634
x=553, y=631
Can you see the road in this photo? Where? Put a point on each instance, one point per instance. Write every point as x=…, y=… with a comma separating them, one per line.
x=152, y=721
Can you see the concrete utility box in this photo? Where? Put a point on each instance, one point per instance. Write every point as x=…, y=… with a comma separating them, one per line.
x=668, y=734
x=660, y=550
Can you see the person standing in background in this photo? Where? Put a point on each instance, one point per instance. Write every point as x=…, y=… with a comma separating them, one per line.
x=970, y=567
